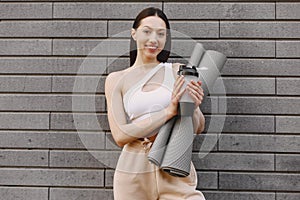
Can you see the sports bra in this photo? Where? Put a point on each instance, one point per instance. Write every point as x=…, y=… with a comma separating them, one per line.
x=140, y=104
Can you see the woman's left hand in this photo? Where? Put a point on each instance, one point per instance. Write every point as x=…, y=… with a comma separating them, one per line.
x=196, y=92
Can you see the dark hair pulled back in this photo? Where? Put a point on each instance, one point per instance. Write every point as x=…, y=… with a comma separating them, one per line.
x=151, y=11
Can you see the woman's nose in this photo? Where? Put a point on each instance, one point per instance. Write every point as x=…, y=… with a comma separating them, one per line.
x=153, y=38
x=153, y=35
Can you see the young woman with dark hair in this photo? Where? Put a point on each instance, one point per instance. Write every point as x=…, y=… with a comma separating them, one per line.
x=140, y=99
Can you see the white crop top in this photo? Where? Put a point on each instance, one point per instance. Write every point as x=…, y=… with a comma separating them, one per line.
x=140, y=104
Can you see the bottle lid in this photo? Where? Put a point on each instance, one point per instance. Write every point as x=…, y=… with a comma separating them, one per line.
x=190, y=71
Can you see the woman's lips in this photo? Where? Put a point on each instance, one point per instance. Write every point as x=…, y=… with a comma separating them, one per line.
x=151, y=47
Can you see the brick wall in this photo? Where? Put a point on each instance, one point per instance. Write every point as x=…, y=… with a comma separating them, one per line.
x=52, y=55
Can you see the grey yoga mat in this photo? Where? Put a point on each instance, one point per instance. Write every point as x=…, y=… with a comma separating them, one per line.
x=172, y=148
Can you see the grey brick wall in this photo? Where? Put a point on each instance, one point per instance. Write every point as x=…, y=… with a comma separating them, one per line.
x=56, y=53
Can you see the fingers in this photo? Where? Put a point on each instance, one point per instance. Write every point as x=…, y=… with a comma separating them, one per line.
x=196, y=92
x=196, y=86
x=180, y=93
x=197, y=98
x=177, y=86
x=193, y=88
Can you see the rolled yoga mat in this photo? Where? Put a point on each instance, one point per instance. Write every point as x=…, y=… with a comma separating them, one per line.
x=176, y=162
x=172, y=148
x=159, y=146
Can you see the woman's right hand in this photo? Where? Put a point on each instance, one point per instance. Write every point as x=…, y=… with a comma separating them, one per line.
x=176, y=95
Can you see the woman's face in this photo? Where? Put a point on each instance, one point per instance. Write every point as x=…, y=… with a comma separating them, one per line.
x=150, y=37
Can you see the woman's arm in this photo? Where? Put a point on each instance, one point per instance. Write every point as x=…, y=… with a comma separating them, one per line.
x=198, y=121
x=124, y=132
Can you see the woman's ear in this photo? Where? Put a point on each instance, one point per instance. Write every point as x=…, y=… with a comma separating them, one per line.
x=133, y=34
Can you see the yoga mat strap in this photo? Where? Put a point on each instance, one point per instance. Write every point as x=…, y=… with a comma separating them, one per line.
x=186, y=108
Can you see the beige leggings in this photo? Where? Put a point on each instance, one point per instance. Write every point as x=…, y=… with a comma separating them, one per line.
x=136, y=178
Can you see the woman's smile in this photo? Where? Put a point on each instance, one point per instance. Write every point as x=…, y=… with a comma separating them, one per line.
x=151, y=48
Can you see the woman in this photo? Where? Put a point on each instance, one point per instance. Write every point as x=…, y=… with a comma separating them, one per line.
x=140, y=99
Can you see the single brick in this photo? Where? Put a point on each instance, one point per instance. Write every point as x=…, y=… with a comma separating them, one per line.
x=195, y=29
x=53, y=29
x=259, y=181
x=44, y=65
x=19, y=120
x=288, y=86
x=239, y=124
x=240, y=85
x=205, y=143
x=219, y=10
x=109, y=176
x=22, y=158
x=17, y=102
x=26, y=10
x=259, y=29
x=23, y=139
x=287, y=10
x=116, y=64
x=288, y=162
x=288, y=49
x=25, y=47
x=262, y=67
x=224, y=195
x=22, y=84
x=53, y=140
x=84, y=159
x=261, y=105
x=78, y=84
x=287, y=196
x=24, y=193
x=259, y=143
x=231, y=48
x=83, y=103
x=52, y=177
x=288, y=124
x=207, y=180
x=108, y=47
x=80, y=193
x=118, y=29
x=234, y=161
x=97, y=10
x=78, y=121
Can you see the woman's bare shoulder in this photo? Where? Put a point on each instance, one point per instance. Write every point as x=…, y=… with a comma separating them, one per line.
x=114, y=79
x=116, y=76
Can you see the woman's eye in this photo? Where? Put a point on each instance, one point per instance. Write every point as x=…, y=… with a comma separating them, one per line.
x=146, y=31
x=161, y=34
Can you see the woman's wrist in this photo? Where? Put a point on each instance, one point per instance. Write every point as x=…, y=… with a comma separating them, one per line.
x=170, y=113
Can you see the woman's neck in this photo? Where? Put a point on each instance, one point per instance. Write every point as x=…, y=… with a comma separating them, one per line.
x=144, y=63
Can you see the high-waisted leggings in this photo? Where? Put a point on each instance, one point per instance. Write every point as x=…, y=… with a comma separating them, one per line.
x=136, y=178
